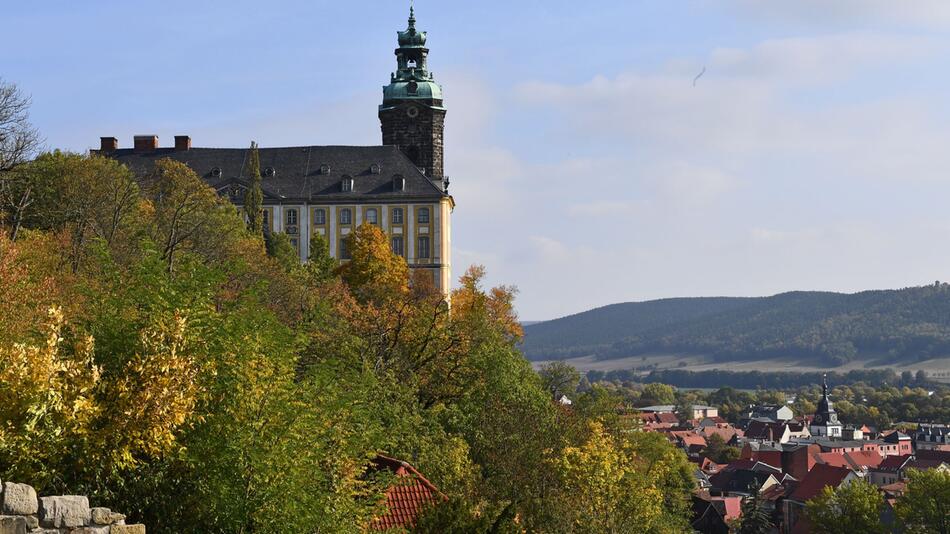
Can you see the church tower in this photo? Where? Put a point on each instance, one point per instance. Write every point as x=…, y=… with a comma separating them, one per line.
x=825, y=423
x=411, y=115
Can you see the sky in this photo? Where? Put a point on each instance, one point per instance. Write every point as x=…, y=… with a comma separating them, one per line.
x=589, y=164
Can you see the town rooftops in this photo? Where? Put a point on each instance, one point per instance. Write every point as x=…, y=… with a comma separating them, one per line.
x=820, y=476
x=303, y=173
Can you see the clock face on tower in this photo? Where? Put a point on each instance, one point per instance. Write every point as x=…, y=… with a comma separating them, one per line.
x=412, y=112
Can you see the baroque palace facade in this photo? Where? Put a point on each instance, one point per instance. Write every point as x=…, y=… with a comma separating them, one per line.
x=330, y=190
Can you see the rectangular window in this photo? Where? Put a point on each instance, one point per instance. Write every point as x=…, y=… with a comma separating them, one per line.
x=422, y=248
x=371, y=216
x=397, y=215
x=319, y=216
x=397, y=245
x=346, y=216
x=291, y=216
x=266, y=220
x=344, y=248
x=295, y=243
x=422, y=215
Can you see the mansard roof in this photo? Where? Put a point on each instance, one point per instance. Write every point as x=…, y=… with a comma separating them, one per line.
x=303, y=173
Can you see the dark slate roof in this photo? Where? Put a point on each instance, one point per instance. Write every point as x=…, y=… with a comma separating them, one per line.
x=298, y=171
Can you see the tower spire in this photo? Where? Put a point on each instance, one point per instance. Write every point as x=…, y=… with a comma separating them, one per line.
x=412, y=15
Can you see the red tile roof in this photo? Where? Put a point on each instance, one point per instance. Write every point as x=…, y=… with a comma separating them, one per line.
x=820, y=476
x=729, y=507
x=406, y=498
x=852, y=460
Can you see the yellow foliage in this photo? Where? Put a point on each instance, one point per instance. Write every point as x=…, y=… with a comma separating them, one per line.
x=606, y=488
x=46, y=399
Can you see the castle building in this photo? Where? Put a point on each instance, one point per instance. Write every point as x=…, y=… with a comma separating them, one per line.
x=825, y=422
x=331, y=190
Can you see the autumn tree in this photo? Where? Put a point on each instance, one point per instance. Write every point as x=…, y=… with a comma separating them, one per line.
x=373, y=273
x=851, y=507
x=254, y=197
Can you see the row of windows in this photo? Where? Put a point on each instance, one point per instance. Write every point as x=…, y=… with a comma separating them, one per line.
x=398, y=247
x=346, y=216
x=372, y=216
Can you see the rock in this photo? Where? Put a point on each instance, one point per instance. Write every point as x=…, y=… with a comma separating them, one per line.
x=128, y=529
x=32, y=522
x=18, y=499
x=64, y=511
x=10, y=524
x=89, y=530
x=105, y=516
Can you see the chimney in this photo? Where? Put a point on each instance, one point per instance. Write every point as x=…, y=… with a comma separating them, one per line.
x=108, y=144
x=146, y=143
x=182, y=142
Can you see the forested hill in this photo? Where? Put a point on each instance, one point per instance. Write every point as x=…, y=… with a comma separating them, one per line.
x=909, y=324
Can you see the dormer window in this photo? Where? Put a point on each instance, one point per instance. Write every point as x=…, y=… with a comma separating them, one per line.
x=374, y=168
x=399, y=183
x=324, y=169
x=346, y=185
x=270, y=172
x=216, y=172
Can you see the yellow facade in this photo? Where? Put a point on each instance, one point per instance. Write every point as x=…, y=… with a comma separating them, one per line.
x=419, y=232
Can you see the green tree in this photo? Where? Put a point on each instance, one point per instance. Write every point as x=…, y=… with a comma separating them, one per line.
x=718, y=451
x=282, y=250
x=851, y=507
x=320, y=264
x=657, y=393
x=755, y=518
x=254, y=198
x=925, y=505
x=560, y=378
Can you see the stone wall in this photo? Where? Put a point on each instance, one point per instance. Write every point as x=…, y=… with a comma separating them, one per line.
x=22, y=512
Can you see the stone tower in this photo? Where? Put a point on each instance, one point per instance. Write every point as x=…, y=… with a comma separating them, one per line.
x=411, y=115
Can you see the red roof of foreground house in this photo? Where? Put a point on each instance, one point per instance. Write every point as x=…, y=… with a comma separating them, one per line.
x=820, y=476
x=406, y=498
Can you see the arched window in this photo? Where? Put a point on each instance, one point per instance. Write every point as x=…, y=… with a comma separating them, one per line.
x=422, y=215
x=319, y=216
x=371, y=216
x=346, y=216
x=397, y=215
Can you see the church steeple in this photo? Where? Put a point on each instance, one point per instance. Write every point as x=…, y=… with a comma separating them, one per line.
x=411, y=115
x=825, y=422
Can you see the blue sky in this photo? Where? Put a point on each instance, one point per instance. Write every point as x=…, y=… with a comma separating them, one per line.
x=814, y=153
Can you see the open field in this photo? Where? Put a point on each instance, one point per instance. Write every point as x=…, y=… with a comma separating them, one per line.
x=938, y=368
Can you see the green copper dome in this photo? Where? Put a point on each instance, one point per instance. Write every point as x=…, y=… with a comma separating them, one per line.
x=411, y=38
x=412, y=79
